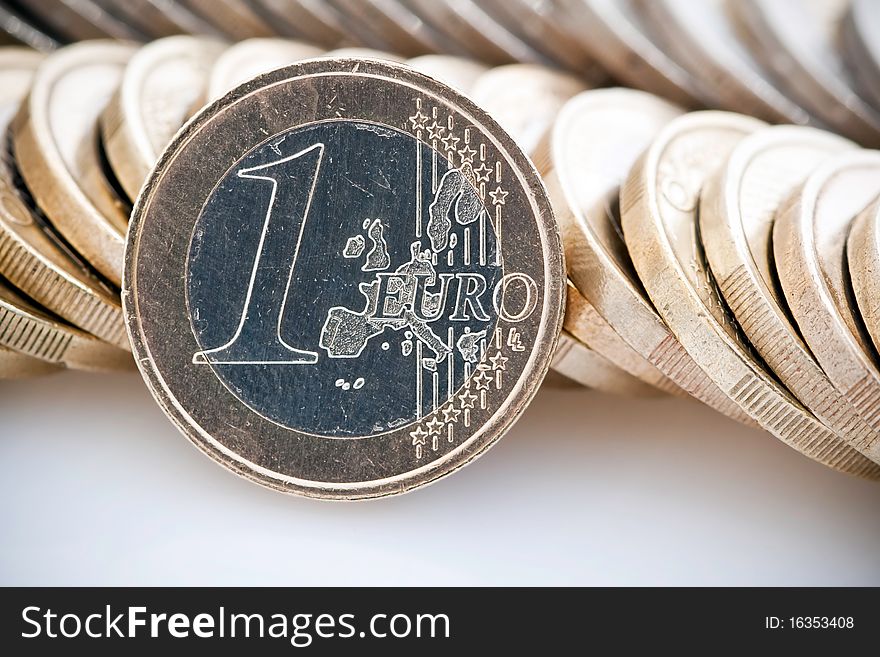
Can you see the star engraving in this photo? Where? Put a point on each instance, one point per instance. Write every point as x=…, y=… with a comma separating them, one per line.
x=483, y=379
x=467, y=399
x=450, y=414
x=483, y=172
x=498, y=195
x=435, y=131
x=435, y=424
x=418, y=435
x=467, y=154
x=419, y=120
x=450, y=141
x=499, y=361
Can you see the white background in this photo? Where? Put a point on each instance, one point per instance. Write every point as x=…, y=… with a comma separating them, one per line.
x=97, y=487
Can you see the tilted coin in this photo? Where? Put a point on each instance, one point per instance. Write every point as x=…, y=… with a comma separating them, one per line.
x=75, y=20
x=659, y=204
x=15, y=29
x=863, y=250
x=234, y=18
x=459, y=72
x=421, y=294
x=247, y=59
x=809, y=244
x=737, y=207
x=616, y=36
x=525, y=99
x=28, y=330
x=162, y=86
x=364, y=53
x=31, y=258
x=54, y=136
x=795, y=41
x=577, y=362
x=595, y=141
x=538, y=23
x=702, y=40
x=467, y=24
x=859, y=43
x=303, y=19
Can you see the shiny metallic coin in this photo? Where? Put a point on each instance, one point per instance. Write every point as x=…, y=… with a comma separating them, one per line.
x=30, y=331
x=31, y=258
x=659, y=204
x=458, y=72
x=304, y=19
x=364, y=53
x=423, y=285
x=163, y=85
x=160, y=18
x=863, y=251
x=234, y=18
x=595, y=141
x=737, y=208
x=15, y=29
x=468, y=25
x=366, y=26
x=702, y=40
x=809, y=244
x=577, y=362
x=794, y=41
x=525, y=99
x=617, y=38
x=247, y=59
x=859, y=43
x=538, y=23
x=77, y=20
x=55, y=140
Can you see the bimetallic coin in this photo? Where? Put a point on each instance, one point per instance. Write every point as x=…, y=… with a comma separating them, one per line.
x=577, y=362
x=737, y=207
x=616, y=36
x=28, y=330
x=31, y=257
x=809, y=243
x=458, y=72
x=54, y=136
x=863, y=250
x=163, y=85
x=525, y=99
x=859, y=43
x=421, y=292
x=595, y=141
x=467, y=24
x=659, y=203
x=795, y=42
x=702, y=40
x=234, y=18
x=247, y=59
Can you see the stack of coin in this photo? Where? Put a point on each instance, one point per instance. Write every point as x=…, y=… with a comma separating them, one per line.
x=709, y=253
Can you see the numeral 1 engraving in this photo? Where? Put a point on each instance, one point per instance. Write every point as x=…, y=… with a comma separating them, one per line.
x=257, y=340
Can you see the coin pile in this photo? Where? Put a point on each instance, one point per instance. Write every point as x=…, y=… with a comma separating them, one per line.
x=720, y=224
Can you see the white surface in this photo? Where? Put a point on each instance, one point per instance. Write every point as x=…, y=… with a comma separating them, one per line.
x=97, y=487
